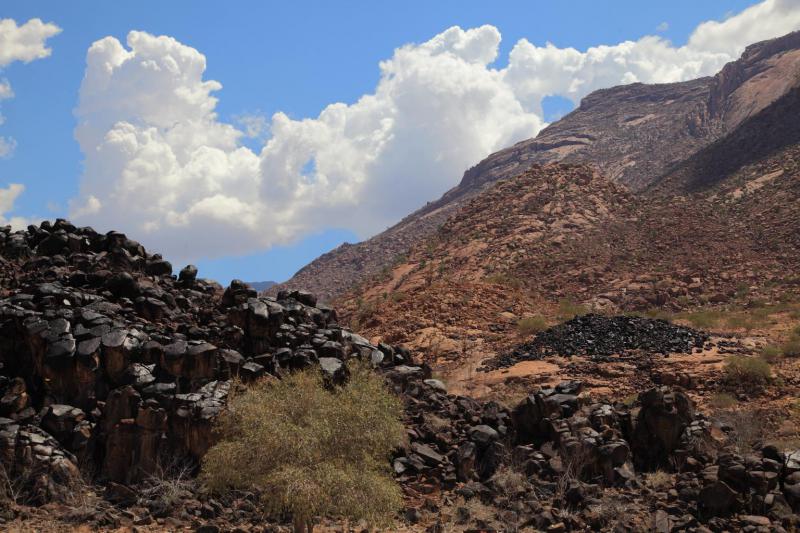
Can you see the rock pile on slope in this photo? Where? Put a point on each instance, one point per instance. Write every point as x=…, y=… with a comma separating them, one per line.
x=582, y=458
x=601, y=337
x=109, y=361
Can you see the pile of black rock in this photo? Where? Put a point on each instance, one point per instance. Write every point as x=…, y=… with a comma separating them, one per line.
x=110, y=362
x=603, y=338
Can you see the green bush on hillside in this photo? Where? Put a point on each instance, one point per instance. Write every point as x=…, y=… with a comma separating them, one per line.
x=309, y=450
x=749, y=373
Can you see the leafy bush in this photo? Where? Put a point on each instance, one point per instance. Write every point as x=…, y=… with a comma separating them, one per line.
x=309, y=450
x=531, y=325
x=750, y=373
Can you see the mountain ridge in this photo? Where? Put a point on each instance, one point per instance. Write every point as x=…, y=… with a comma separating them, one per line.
x=623, y=130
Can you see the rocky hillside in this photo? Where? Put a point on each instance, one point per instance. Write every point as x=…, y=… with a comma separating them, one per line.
x=634, y=134
x=113, y=371
x=563, y=233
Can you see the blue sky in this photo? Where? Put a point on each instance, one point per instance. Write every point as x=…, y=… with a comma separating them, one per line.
x=294, y=57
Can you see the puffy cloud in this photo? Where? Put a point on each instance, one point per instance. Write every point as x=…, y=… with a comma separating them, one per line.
x=20, y=43
x=25, y=43
x=163, y=166
x=7, y=198
x=762, y=21
x=540, y=71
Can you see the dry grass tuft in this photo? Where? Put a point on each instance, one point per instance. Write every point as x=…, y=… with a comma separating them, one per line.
x=749, y=373
x=312, y=451
x=531, y=325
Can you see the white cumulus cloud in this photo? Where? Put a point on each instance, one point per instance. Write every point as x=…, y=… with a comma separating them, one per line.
x=161, y=164
x=24, y=43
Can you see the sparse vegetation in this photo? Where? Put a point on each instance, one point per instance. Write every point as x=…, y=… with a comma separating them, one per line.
x=531, y=325
x=506, y=280
x=568, y=309
x=309, y=450
x=723, y=400
x=771, y=354
x=658, y=313
x=744, y=427
x=399, y=296
x=749, y=373
x=704, y=319
x=791, y=348
x=658, y=481
x=743, y=321
x=742, y=290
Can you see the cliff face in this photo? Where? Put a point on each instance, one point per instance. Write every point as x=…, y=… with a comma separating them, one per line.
x=636, y=135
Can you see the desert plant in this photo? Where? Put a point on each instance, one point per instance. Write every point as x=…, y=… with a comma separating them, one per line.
x=791, y=348
x=658, y=480
x=771, y=354
x=704, y=319
x=743, y=321
x=310, y=450
x=658, y=313
x=531, y=325
x=745, y=427
x=504, y=279
x=750, y=373
x=568, y=309
x=723, y=400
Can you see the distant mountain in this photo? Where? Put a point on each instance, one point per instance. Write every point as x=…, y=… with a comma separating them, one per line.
x=641, y=136
x=261, y=286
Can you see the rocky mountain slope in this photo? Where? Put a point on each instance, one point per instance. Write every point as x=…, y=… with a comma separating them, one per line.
x=562, y=233
x=113, y=370
x=634, y=134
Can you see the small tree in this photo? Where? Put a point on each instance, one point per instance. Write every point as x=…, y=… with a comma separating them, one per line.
x=312, y=451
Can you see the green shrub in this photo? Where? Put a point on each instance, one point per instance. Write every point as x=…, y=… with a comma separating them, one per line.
x=723, y=400
x=749, y=373
x=531, y=325
x=568, y=309
x=311, y=451
x=742, y=290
